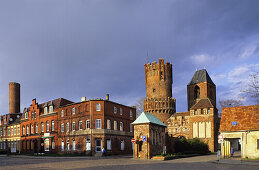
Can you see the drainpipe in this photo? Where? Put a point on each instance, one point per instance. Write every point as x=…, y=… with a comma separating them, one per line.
x=39, y=131
x=91, y=126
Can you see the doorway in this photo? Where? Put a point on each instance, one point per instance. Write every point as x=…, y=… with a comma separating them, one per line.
x=98, y=145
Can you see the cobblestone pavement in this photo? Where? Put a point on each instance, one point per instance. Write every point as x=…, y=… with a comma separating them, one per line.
x=115, y=162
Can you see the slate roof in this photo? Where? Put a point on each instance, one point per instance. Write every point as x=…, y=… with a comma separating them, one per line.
x=202, y=103
x=201, y=76
x=57, y=103
x=148, y=118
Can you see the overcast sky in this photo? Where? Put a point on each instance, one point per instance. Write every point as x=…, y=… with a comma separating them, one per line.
x=76, y=48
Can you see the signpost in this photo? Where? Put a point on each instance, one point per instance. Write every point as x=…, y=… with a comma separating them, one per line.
x=144, y=138
x=133, y=141
x=220, y=139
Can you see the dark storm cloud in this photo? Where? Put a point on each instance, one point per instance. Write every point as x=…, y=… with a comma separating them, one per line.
x=88, y=48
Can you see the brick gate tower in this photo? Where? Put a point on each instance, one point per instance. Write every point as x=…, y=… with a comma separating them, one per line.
x=158, y=79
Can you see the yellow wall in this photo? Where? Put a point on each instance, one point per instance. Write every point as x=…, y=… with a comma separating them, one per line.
x=248, y=143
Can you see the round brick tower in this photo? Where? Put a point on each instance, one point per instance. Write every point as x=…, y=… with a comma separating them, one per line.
x=14, y=97
x=158, y=79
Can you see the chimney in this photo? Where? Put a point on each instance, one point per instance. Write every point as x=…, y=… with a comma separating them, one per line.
x=107, y=96
x=83, y=99
x=14, y=97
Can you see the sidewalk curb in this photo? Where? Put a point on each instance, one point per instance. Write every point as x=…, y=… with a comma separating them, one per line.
x=236, y=163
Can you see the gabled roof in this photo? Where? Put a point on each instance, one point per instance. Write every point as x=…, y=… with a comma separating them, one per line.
x=201, y=76
x=147, y=118
x=239, y=118
x=56, y=103
x=202, y=103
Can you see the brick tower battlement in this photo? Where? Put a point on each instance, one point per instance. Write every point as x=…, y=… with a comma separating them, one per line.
x=158, y=79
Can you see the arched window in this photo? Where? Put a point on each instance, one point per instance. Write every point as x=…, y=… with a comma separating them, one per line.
x=196, y=92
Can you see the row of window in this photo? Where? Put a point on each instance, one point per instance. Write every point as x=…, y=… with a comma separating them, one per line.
x=33, y=128
x=12, y=145
x=98, y=145
x=97, y=108
x=98, y=125
x=202, y=111
x=33, y=115
x=11, y=131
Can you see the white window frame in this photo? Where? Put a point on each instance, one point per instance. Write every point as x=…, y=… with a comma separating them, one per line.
x=52, y=125
x=51, y=109
x=73, y=144
x=62, y=128
x=115, y=125
x=67, y=127
x=73, y=110
x=42, y=127
x=98, y=107
x=87, y=144
x=15, y=130
x=62, y=113
x=131, y=113
x=87, y=124
x=73, y=126
x=27, y=130
x=47, y=126
x=121, y=126
x=109, y=144
x=80, y=125
x=32, y=129
x=45, y=110
x=36, y=128
x=67, y=145
x=131, y=128
x=121, y=111
x=62, y=145
x=115, y=110
x=98, y=124
x=108, y=124
x=52, y=144
x=122, y=145
x=26, y=115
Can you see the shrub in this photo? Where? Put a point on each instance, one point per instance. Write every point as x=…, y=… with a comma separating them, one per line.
x=190, y=146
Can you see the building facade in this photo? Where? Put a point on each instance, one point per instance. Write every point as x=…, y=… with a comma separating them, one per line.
x=239, y=128
x=10, y=133
x=149, y=135
x=39, y=128
x=90, y=125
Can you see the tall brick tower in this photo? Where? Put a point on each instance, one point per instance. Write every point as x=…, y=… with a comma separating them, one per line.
x=158, y=79
x=14, y=97
x=201, y=86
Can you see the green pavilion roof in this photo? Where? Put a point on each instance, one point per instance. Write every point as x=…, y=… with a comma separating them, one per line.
x=148, y=118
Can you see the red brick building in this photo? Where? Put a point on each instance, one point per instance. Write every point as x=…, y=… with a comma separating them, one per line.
x=38, y=128
x=90, y=125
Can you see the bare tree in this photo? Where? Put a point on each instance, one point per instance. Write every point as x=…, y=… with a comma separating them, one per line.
x=252, y=89
x=140, y=106
x=230, y=103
